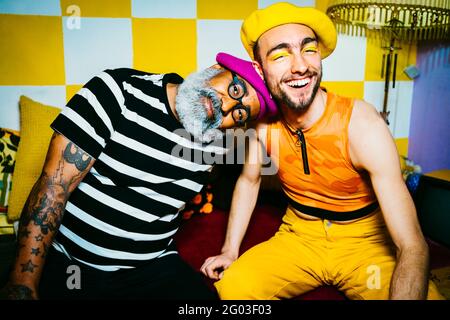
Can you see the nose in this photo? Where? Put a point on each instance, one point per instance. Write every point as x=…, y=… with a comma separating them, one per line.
x=299, y=64
x=228, y=105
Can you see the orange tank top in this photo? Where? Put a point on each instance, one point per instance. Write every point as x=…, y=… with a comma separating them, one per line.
x=333, y=184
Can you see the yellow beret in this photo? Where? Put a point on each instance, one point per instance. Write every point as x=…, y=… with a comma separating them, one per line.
x=262, y=20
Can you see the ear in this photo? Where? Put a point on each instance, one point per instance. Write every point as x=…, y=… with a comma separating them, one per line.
x=258, y=69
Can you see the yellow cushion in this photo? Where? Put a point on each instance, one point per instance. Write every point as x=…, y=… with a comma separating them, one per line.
x=35, y=134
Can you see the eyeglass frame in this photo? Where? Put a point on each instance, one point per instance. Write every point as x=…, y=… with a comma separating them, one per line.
x=240, y=105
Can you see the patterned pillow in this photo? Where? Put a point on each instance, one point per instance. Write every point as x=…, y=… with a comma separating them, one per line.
x=9, y=141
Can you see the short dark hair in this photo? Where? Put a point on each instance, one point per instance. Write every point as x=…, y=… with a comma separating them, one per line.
x=256, y=53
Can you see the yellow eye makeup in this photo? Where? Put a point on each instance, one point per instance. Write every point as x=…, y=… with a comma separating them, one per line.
x=310, y=49
x=279, y=55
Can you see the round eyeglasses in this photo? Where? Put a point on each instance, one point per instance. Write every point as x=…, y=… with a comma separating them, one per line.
x=236, y=90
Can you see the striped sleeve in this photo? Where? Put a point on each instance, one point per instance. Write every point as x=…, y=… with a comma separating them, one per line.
x=89, y=118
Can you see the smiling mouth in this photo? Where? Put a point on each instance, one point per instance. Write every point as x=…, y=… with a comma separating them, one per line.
x=298, y=84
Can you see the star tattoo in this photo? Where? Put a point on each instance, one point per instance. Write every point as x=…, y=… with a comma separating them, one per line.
x=29, y=266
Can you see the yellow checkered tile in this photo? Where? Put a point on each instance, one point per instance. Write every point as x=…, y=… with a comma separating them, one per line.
x=225, y=9
x=354, y=89
x=31, y=50
x=165, y=45
x=402, y=146
x=97, y=8
x=71, y=90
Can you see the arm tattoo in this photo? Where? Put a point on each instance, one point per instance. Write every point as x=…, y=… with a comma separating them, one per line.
x=39, y=238
x=76, y=157
x=44, y=208
x=35, y=251
x=47, y=200
x=29, y=266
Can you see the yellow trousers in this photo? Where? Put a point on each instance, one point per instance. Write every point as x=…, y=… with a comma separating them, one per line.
x=358, y=258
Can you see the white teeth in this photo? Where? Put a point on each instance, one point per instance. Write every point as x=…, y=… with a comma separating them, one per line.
x=298, y=83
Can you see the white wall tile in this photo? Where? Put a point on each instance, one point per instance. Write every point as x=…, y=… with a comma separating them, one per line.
x=99, y=44
x=347, y=62
x=300, y=3
x=403, y=107
x=32, y=7
x=215, y=36
x=399, y=104
x=9, y=101
x=164, y=8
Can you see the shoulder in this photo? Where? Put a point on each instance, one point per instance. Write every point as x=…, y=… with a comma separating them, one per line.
x=121, y=74
x=369, y=136
x=364, y=115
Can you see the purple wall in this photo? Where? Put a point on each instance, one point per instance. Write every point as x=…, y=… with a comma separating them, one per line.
x=429, y=137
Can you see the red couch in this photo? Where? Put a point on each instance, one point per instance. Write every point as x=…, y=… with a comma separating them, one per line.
x=202, y=236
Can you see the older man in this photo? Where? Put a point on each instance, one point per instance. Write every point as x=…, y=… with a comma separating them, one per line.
x=103, y=213
x=350, y=221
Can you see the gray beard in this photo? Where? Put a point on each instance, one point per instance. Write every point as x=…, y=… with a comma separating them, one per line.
x=189, y=104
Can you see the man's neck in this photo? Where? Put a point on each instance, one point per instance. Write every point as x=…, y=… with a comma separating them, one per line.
x=171, y=90
x=304, y=119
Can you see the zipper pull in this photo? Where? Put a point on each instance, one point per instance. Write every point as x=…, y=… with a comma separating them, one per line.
x=301, y=138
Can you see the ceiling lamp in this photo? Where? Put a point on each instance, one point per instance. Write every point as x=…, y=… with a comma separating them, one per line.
x=405, y=19
x=393, y=21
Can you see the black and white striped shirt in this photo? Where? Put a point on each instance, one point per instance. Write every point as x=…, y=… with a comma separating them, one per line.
x=126, y=209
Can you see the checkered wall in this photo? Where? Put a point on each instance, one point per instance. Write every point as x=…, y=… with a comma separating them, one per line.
x=49, y=48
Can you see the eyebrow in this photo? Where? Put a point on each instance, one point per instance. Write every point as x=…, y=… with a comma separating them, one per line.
x=285, y=45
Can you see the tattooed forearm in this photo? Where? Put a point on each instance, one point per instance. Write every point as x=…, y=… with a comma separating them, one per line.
x=48, y=197
x=47, y=200
x=76, y=157
x=39, y=238
x=64, y=168
x=44, y=207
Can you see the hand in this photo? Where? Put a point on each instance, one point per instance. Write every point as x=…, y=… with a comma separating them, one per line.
x=213, y=267
x=18, y=292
